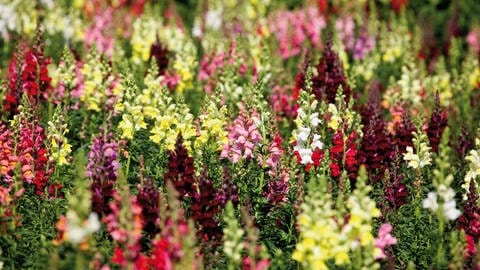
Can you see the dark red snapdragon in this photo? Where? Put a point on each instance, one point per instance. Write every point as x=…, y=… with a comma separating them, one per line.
x=469, y=221
x=159, y=53
x=436, y=125
x=148, y=198
x=404, y=133
x=376, y=148
x=180, y=170
x=464, y=143
x=327, y=78
x=204, y=209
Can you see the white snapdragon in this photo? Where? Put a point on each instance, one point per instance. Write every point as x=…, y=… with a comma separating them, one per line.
x=447, y=202
x=431, y=201
x=473, y=172
x=76, y=230
x=418, y=161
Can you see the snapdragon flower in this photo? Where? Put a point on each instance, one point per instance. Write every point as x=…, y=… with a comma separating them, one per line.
x=447, y=203
x=422, y=156
x=308, y=144
x=473, y=172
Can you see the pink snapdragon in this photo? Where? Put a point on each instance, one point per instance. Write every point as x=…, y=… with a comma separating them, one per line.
x=243, y=136
x=294, y=28
x=473, y=39
x=384, y=239
x=98, y=33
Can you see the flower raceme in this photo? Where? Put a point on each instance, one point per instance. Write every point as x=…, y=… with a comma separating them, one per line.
x=308, y=147
x=30, y=77
x=383, y=240
x=447, y=204
x=102, y=170
x=422, y=156
x=243, y=136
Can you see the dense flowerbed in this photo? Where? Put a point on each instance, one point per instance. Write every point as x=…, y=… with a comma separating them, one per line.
x=239, y=134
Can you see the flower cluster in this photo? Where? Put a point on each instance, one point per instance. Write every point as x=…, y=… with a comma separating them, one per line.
x=102, y=170
x=447, y=203
x=308, y=145
x=330, y=77
x=278, y=189
x=437, y=124
x=343, y=155
x=294, y=29
x=148, y=199
x=8, y=160
x=204, y=209
x=97, y=33
x=324, y=237
x=59, y=147
x=99, y=86
x=243, y=136
x=473, y=172
x=31, y=151
x=212, y=127
x=181, y=170
x=422, y=156
x=384, y=240
x=29, y=75
x=143, y=37
x=375, y=150
x=469, y=221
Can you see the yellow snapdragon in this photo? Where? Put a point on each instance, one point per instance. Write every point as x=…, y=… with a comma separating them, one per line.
x=144, y=35
x=212, y=126
x=96, y=82
x=324, y=239
x=474, y=77
x=175, y=120
x=59, y=147
x=183, y=66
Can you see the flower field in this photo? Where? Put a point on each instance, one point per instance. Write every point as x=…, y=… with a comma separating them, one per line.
x=239, y=134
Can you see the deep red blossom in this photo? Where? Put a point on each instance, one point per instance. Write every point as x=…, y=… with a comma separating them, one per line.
x=180, y=169
x=329, y=77
x=465, y=143
x=276, y=191
x=436, y=126
x=404, y=133
x=148, y=198
x=204, y=209
x=469, y=221
x=376, y=148
x=159, y=53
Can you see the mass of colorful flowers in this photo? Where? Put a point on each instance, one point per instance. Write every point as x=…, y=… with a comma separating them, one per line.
x=239, y=134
